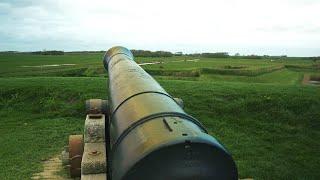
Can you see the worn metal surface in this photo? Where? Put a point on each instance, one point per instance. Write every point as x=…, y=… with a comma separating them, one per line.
x=151, y=137
x=75, y=154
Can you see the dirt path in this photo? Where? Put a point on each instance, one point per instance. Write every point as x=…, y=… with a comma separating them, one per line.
x=158, y=62
x=49, y=65
x=52, y=169
x=306, y=79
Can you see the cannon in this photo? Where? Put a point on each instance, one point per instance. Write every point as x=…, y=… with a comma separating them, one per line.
x=142, y=132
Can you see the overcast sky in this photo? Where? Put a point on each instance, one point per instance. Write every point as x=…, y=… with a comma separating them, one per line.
x=273, y=27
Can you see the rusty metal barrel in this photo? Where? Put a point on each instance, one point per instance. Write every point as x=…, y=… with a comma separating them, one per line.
x=151, y=137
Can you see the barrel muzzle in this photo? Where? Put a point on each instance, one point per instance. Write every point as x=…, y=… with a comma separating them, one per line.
x=116, y=50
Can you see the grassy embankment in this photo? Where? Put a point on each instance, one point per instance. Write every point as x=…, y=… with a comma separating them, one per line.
x=271, y=130
x=267, y=120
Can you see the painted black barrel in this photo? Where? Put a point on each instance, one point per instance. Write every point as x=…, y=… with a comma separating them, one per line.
x=151, y=137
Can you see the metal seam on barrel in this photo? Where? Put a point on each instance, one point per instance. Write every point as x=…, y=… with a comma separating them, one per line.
x=110, y=57
x=152, y=117
x=137, y=94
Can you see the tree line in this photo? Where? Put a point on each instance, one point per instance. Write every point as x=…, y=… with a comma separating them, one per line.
x=52, y=52
x=211, y=55
x=146, y=53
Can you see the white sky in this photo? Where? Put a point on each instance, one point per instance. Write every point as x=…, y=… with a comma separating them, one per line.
x=271, y=27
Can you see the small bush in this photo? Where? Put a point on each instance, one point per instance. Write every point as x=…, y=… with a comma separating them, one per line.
x=303, y=67
x=177, y=73
x=315, y=77
x=240, y=70
x=234, y=67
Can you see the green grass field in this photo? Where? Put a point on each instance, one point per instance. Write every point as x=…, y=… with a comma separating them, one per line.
x=265, y=116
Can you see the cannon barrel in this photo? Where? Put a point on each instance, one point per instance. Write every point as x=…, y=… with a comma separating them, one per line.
x=151, y=137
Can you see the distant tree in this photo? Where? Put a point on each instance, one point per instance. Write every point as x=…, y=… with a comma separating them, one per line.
x=53, y=52
x=252, y=57
x=178, y=54
x=194, y=55
x=315, y=59
x=144, y=53
x=215, y=55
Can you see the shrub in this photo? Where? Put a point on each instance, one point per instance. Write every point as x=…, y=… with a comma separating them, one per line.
x=240, y=71
x=177, y=73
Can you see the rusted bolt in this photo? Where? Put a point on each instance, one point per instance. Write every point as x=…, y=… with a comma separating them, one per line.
x=94, y=153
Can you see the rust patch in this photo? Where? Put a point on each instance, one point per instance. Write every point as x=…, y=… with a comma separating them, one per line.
x=75, y=154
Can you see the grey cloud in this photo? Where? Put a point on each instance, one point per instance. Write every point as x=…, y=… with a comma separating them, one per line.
x=59, y=24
